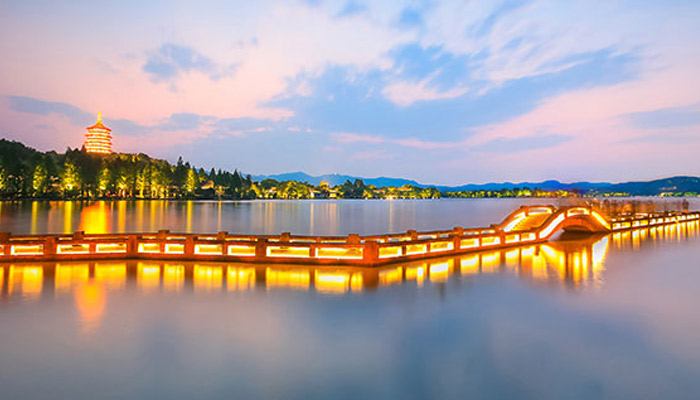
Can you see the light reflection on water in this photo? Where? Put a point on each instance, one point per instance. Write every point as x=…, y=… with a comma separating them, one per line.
x=612, y=316
x=573, y=262
x=318, y=217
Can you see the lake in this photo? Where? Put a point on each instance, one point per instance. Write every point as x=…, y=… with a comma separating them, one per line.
x=582, y=317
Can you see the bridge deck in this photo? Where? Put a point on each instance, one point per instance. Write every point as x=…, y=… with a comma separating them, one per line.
x=526, y=225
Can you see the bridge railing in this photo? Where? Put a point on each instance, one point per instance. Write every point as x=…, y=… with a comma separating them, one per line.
x=350, y=249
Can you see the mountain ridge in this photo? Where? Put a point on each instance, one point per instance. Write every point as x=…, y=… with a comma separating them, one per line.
x=679, y=183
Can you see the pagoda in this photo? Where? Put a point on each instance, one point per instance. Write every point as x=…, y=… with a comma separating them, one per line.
x=98, y=138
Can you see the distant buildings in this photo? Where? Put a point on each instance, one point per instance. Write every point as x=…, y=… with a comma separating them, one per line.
x=98, y=139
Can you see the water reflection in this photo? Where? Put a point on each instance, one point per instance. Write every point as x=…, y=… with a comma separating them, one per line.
x=318, y=217
x=576, y=263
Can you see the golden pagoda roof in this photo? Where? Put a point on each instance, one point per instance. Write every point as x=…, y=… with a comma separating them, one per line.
x=98, y=124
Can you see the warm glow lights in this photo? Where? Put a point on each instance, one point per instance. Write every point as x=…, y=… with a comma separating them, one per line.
x=241, y=251
x=516, y=220
x=208, y=249
x=111, y=275
x=469, y=243
x=439, y=271
x=416, y=249
x=27, y=250
x=240, y=279
x=578, y=263
x=69, y=276
x=110, y=247
x=287, y=278
x=288, y=251
x=149, y=247
x=73, y=248
x=148, y=276
x=352, y=250
x=207, y=278
x=441, y=246
x=416, y=273
x=490, y=240
x=174, y=248
x=337, y=282
x=390, y=276
x=98, y=138
x=339, y=253
x=90, y=301
x=27, y=280
x=389, y=252
x=552, y=225
x=173, y=277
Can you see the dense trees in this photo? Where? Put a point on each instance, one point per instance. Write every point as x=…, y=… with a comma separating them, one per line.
x=27, y=173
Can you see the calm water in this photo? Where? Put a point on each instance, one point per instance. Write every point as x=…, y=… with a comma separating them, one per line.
x=613, y=317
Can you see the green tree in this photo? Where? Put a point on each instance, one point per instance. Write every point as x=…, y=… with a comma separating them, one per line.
x=40, y=180
x=191, y=181
x=71, y=178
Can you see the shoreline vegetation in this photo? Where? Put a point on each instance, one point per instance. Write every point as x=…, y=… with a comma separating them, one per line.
x=26, y=173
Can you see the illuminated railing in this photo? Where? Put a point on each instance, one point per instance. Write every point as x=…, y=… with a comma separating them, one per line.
x=352, y=249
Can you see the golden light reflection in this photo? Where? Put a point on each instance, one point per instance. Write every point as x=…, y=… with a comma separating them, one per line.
x=440, y=271
x=173, y=277
x=121, y=216
x=337, y=281
x=90, y=301
x=95, y=218
x=469, y=264
x=390, y=276
x=416, y=273
x=490, y=262
x=242, y=278
x=69, y=276
x=288, y=278
x=148, y=276
x=35, y=216
x=207, y=278
x=68, y=217
x=26, y=280
x=112, y=275
x=570, y=263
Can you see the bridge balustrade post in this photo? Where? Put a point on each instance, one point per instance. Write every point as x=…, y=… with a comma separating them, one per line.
x=50, y=247
x=221, y=235
x=412, y=234
x=457, y=234
x=162, y=235
x=370, y=253
x=261, y=249
x=78, y=235
x=285, y=237
x=189, y=246
x=353, y=238
x=5, y=240
x=132, y=246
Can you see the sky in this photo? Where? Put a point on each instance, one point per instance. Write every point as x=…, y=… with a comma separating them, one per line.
x=443, y=92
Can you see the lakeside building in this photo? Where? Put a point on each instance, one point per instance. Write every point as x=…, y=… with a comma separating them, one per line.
x=98, y=138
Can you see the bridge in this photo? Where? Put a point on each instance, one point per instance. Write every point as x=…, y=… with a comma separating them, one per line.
x=526, y=225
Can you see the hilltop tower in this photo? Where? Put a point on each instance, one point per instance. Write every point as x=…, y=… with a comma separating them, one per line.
x=98, y=138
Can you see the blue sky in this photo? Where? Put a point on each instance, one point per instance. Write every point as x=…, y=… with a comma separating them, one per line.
x=443, y=92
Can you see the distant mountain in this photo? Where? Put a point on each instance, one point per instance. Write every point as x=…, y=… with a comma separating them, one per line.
x=545, y=185
x=336, y=179
x=643, y=188
x=677, y=184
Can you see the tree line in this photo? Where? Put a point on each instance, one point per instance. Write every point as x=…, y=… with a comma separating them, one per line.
x=28, y=173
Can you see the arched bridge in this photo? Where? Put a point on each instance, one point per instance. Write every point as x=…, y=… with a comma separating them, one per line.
x=545, y=221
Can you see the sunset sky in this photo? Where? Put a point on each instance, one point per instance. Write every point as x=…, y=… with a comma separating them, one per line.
x=444, y=92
